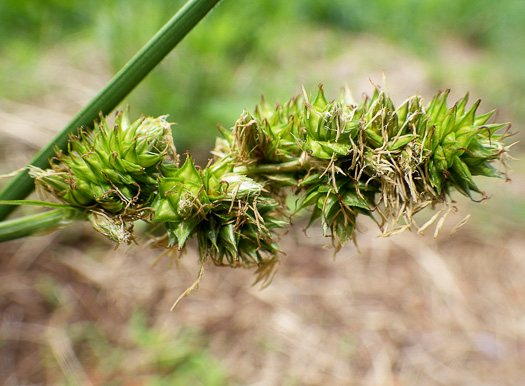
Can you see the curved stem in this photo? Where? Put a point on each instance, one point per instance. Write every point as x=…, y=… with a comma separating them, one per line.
x=113, y=93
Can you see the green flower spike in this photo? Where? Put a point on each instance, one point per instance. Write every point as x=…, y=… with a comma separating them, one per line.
x=111, y=170
x=182, y=201
x=233, y=219
x=338, y=158
x=370, y=158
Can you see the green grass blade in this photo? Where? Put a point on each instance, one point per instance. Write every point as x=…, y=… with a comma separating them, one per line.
x=39, y=223
x=112, y=94
x=36, y=203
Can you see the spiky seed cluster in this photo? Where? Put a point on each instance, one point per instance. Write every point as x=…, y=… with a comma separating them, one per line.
x=267, y=136
x=370, y=158
x=339, y=158
x=337, y=203
x=241, y=233
x=111, y=171
x=233, y=219
x=462, y=145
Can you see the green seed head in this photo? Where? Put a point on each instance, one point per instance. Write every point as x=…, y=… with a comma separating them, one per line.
x=341, y=159
x=112, y=167
x=395, y=161
x=110, y=171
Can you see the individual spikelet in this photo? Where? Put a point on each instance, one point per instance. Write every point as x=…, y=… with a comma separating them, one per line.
x=233, y=218
x=111, y=171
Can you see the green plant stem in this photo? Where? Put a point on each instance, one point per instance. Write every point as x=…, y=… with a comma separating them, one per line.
x=112, y=94
x=37, y=223
x=36, y=203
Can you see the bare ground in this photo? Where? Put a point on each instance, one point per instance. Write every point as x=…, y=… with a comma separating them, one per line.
x=405, y=310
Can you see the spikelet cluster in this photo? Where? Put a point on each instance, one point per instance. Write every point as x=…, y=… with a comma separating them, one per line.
x=233, y=218
x=374, y=159
x=340, y=160
x=111, y=172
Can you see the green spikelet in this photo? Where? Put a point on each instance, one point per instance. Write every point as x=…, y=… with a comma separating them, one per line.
x=329, y=131
x=394, y=161
x=110, y=170
x=232, y=217
x=182, y=201
x=267, y=136
x=240, y=233
x=463, y=145
x=337, y=202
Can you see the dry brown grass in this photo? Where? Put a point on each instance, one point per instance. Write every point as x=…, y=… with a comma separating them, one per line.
x=406, y=310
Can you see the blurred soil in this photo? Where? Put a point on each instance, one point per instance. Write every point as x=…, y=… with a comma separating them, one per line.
x=405, y=310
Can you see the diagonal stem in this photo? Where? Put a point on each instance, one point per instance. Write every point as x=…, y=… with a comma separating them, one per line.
x=112, y=94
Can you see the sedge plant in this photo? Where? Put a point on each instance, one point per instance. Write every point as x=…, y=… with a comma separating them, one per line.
x=338, y=159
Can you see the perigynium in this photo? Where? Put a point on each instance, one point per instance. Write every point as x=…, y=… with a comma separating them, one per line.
x=340, y=159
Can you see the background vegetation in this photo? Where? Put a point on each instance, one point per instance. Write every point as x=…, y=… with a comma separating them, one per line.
x=61, y=315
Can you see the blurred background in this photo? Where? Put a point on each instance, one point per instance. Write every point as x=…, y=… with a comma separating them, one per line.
x=406, y=310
